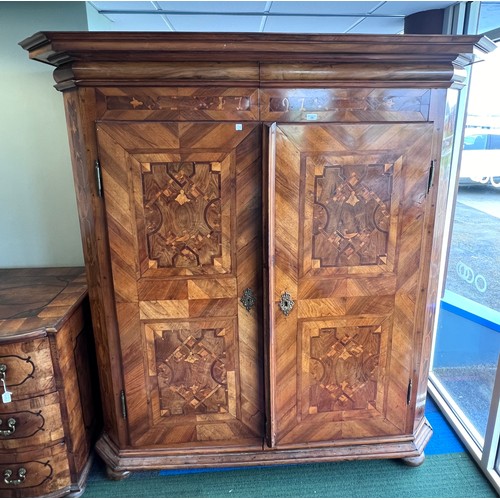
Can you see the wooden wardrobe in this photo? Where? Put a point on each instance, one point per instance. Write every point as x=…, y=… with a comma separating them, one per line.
x=262, y=221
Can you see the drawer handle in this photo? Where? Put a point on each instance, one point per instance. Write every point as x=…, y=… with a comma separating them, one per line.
x=21, y=476
x=286, y=303
x=11, y=424
x=248, y=299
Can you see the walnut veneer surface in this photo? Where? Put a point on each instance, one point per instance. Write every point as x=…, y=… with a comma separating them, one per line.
x=263, y=249
x=46, y=350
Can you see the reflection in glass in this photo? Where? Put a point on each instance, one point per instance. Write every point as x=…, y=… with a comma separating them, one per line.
x=489, y=17
x=468, y=335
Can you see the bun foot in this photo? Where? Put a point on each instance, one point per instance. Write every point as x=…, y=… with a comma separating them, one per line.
x=414, y=461
x=117, y=475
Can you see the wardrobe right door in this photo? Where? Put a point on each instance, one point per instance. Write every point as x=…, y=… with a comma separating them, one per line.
x=347, y=207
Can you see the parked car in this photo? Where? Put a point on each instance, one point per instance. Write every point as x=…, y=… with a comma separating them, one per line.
x=481, y=158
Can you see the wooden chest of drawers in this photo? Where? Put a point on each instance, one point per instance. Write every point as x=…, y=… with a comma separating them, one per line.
x=47, y=382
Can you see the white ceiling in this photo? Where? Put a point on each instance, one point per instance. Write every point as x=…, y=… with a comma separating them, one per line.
x=256, y=16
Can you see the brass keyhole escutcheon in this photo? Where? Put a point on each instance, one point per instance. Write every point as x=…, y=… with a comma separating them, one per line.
x=248, y=299
x=286, y=303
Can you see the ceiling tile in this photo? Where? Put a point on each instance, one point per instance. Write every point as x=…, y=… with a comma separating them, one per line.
x=309, y=24
x=128, y=6
x=214, y=6
x=215, y=23
x=379, y=26
x=406, y=8
x=137, y=22
x=322, y=23
x=324, y=7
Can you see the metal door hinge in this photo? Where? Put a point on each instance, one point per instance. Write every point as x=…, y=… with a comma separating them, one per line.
x=124, y=404
x=98, y=178
x=408, y=394
x=431, y=176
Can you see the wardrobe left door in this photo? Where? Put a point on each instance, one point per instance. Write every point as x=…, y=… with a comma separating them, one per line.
x=183, y=208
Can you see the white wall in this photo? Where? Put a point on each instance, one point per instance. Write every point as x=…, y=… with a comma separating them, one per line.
x=38, y=217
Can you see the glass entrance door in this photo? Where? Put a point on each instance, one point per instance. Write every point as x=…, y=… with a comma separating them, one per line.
x=468, y=336
x=465, y=379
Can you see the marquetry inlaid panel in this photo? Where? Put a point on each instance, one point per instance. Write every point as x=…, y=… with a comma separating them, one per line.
x=183, y=103
x=178, y=212
x=350, y=222
x=351, y=215
x=182, y=207
x=346, y=105
x=194, y=378
x=343, y=382
x=192, y=375
x=343, y=367
x=184, y=218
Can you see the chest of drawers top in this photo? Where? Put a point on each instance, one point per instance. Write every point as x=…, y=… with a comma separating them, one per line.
x=34, y=301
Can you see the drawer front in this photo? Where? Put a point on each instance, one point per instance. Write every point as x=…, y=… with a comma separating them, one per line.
x=34, y=473
x=27, y=370
x=30, y=423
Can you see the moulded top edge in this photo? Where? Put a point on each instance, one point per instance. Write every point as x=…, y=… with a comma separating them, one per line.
x=57, y=48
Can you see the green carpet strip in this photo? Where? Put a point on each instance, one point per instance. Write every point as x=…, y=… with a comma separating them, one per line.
x=441, y=476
